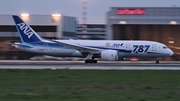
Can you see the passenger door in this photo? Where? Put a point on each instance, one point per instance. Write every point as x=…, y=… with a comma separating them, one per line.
x=154, y=47
x=127, y=47
x=45, y=47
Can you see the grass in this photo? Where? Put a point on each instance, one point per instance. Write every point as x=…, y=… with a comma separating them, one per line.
x=89, y=85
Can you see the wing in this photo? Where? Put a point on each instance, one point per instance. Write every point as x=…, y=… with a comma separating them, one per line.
x=79, y=47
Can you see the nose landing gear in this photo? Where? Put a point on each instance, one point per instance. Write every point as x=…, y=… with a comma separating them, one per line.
x=157, y=60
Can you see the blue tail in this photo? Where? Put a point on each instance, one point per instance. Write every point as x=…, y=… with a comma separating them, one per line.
x=26, y=33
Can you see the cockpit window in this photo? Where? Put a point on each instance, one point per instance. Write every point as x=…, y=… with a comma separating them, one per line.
x=164, y=47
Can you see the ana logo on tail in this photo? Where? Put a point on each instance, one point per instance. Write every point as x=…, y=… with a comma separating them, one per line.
x=25, y=29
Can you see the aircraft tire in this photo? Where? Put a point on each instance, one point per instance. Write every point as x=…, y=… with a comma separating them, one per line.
x=90, y=61
x=157, y=62
x=86, y=61
x=95, y=61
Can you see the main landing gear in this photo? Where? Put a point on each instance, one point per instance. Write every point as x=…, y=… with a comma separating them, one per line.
x=90, y=59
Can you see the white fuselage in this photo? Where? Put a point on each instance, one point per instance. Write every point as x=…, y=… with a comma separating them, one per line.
x=127, y=48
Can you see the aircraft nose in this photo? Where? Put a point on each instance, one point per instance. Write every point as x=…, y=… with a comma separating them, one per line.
x=171, y=52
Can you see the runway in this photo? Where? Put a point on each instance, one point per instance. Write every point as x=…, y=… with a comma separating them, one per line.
x=80, y=65
x=48, y=62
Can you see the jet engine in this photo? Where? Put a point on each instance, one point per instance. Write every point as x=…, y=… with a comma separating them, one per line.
x=109, y=55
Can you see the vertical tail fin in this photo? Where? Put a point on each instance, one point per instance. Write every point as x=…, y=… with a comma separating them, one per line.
x=26, y=33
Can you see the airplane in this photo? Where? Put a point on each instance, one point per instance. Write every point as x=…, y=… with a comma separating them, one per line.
x=107, y=50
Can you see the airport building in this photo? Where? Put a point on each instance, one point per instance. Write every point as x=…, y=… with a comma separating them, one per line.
x=55, y=26
x=94, y=31
x=160, y=24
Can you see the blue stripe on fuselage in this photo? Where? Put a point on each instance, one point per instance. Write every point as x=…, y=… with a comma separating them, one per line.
x=45, y=44
x=106, y=48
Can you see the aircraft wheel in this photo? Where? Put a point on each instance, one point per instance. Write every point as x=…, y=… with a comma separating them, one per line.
x=86, y=61
x=90, y=61
x=157, y=62
x=95, y=61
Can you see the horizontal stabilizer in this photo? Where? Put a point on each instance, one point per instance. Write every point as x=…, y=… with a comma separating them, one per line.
x=18, y=44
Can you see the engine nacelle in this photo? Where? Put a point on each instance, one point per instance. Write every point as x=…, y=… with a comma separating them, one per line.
x=109, y=55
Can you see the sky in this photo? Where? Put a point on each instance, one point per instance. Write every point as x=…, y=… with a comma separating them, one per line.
x=96, y=9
